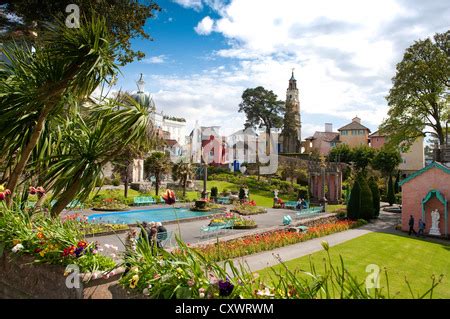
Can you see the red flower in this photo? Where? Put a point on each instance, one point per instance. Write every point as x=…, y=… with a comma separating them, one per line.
x=7, y=192
x=169, y=197
x=40, y=190
x=82, y=244
x=2, y=196
x=32, y=190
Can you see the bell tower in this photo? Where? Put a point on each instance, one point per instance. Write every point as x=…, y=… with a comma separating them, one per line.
x=292, y=123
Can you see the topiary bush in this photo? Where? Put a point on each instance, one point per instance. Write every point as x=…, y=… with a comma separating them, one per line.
x=366, y=205
x=390, y=193
x=353, y=206
x=375, y=196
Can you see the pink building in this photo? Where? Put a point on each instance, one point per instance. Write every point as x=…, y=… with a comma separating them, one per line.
x=424, y=191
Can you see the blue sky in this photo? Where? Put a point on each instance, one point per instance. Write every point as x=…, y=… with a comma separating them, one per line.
x=205, y=53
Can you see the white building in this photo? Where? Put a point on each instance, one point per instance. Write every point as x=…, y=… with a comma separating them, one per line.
x=175, y=128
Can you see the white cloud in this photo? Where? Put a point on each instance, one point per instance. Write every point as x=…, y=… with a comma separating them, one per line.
x=205, y=26
x=155, y=59
x=192, y=4
x=344, y=54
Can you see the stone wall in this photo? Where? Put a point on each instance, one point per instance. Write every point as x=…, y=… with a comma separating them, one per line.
x=20, y=278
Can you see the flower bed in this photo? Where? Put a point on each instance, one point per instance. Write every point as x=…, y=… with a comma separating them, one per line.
x=267, y=241
x=111, y=204
x=50, y=240
x=238, y=222
x=248, y=209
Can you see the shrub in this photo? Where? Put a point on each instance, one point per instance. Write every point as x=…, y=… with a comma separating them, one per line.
x=353, y=206
x=241, y=194
x=375, y=196
x=214, y=192
x=116, y=179
x=366, y=206
x=390, y=193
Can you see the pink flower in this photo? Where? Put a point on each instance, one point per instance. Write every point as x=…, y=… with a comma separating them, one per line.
x=32, y=190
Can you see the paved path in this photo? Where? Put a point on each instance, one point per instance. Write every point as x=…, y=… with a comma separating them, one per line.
x=385, y=223
x=190, y=231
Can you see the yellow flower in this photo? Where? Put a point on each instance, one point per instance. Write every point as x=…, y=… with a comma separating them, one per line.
x=16, y=241
x=133, y=282
x=2, y=188
x=42, y=253
x=135, y=269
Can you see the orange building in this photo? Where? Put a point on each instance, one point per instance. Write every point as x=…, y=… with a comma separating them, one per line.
x=354, y=134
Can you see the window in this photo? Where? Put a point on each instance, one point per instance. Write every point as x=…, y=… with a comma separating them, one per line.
x=344, y=132
x=361, y=132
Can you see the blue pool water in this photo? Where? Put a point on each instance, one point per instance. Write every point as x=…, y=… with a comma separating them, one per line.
x=145, y=215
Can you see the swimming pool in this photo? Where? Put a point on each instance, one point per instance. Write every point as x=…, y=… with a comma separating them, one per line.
x=145, y=215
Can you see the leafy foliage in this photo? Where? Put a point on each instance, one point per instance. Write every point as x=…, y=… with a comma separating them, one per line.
x=156, y=164
x=262, y=108
x=375, y=196
x=366, y=206
x=390, y=192
x=125, y=19
x=386, y=160
x=341, y=153
x=419, y=97
x=354, y=203
x=362, y=156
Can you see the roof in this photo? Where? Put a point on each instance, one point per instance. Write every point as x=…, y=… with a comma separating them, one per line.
x=437, y=165
x=325, y=136
x=376, y=134
x=354, y=126
x=171, y=142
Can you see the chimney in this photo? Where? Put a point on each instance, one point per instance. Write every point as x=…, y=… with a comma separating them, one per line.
x=328, y=127
x=356, y=119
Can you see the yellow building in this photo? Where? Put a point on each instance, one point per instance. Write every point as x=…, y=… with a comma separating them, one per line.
x=354, y=134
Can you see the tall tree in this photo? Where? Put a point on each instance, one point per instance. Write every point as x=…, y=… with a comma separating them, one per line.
x=362, y=156
x=156, y=164
x=419, y=98
x=386, y=161
x=125, y=19
x=341, y=153
x=262, y=109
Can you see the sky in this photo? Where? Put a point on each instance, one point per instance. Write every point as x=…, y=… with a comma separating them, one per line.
x=205, y=53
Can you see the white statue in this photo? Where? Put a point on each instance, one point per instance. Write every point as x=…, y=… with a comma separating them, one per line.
x=435, y=216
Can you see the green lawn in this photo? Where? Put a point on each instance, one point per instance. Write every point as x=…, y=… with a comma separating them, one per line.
x=333, y=208
x=262, y=198
x=409, y=257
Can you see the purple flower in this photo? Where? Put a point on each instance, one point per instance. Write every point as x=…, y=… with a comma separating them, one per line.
x=78, y=251
x=225, y=288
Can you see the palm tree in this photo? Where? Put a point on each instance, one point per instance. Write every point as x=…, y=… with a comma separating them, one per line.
x=67, y=63
x=182, y=171
x=89, y=143
x=156, y=164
